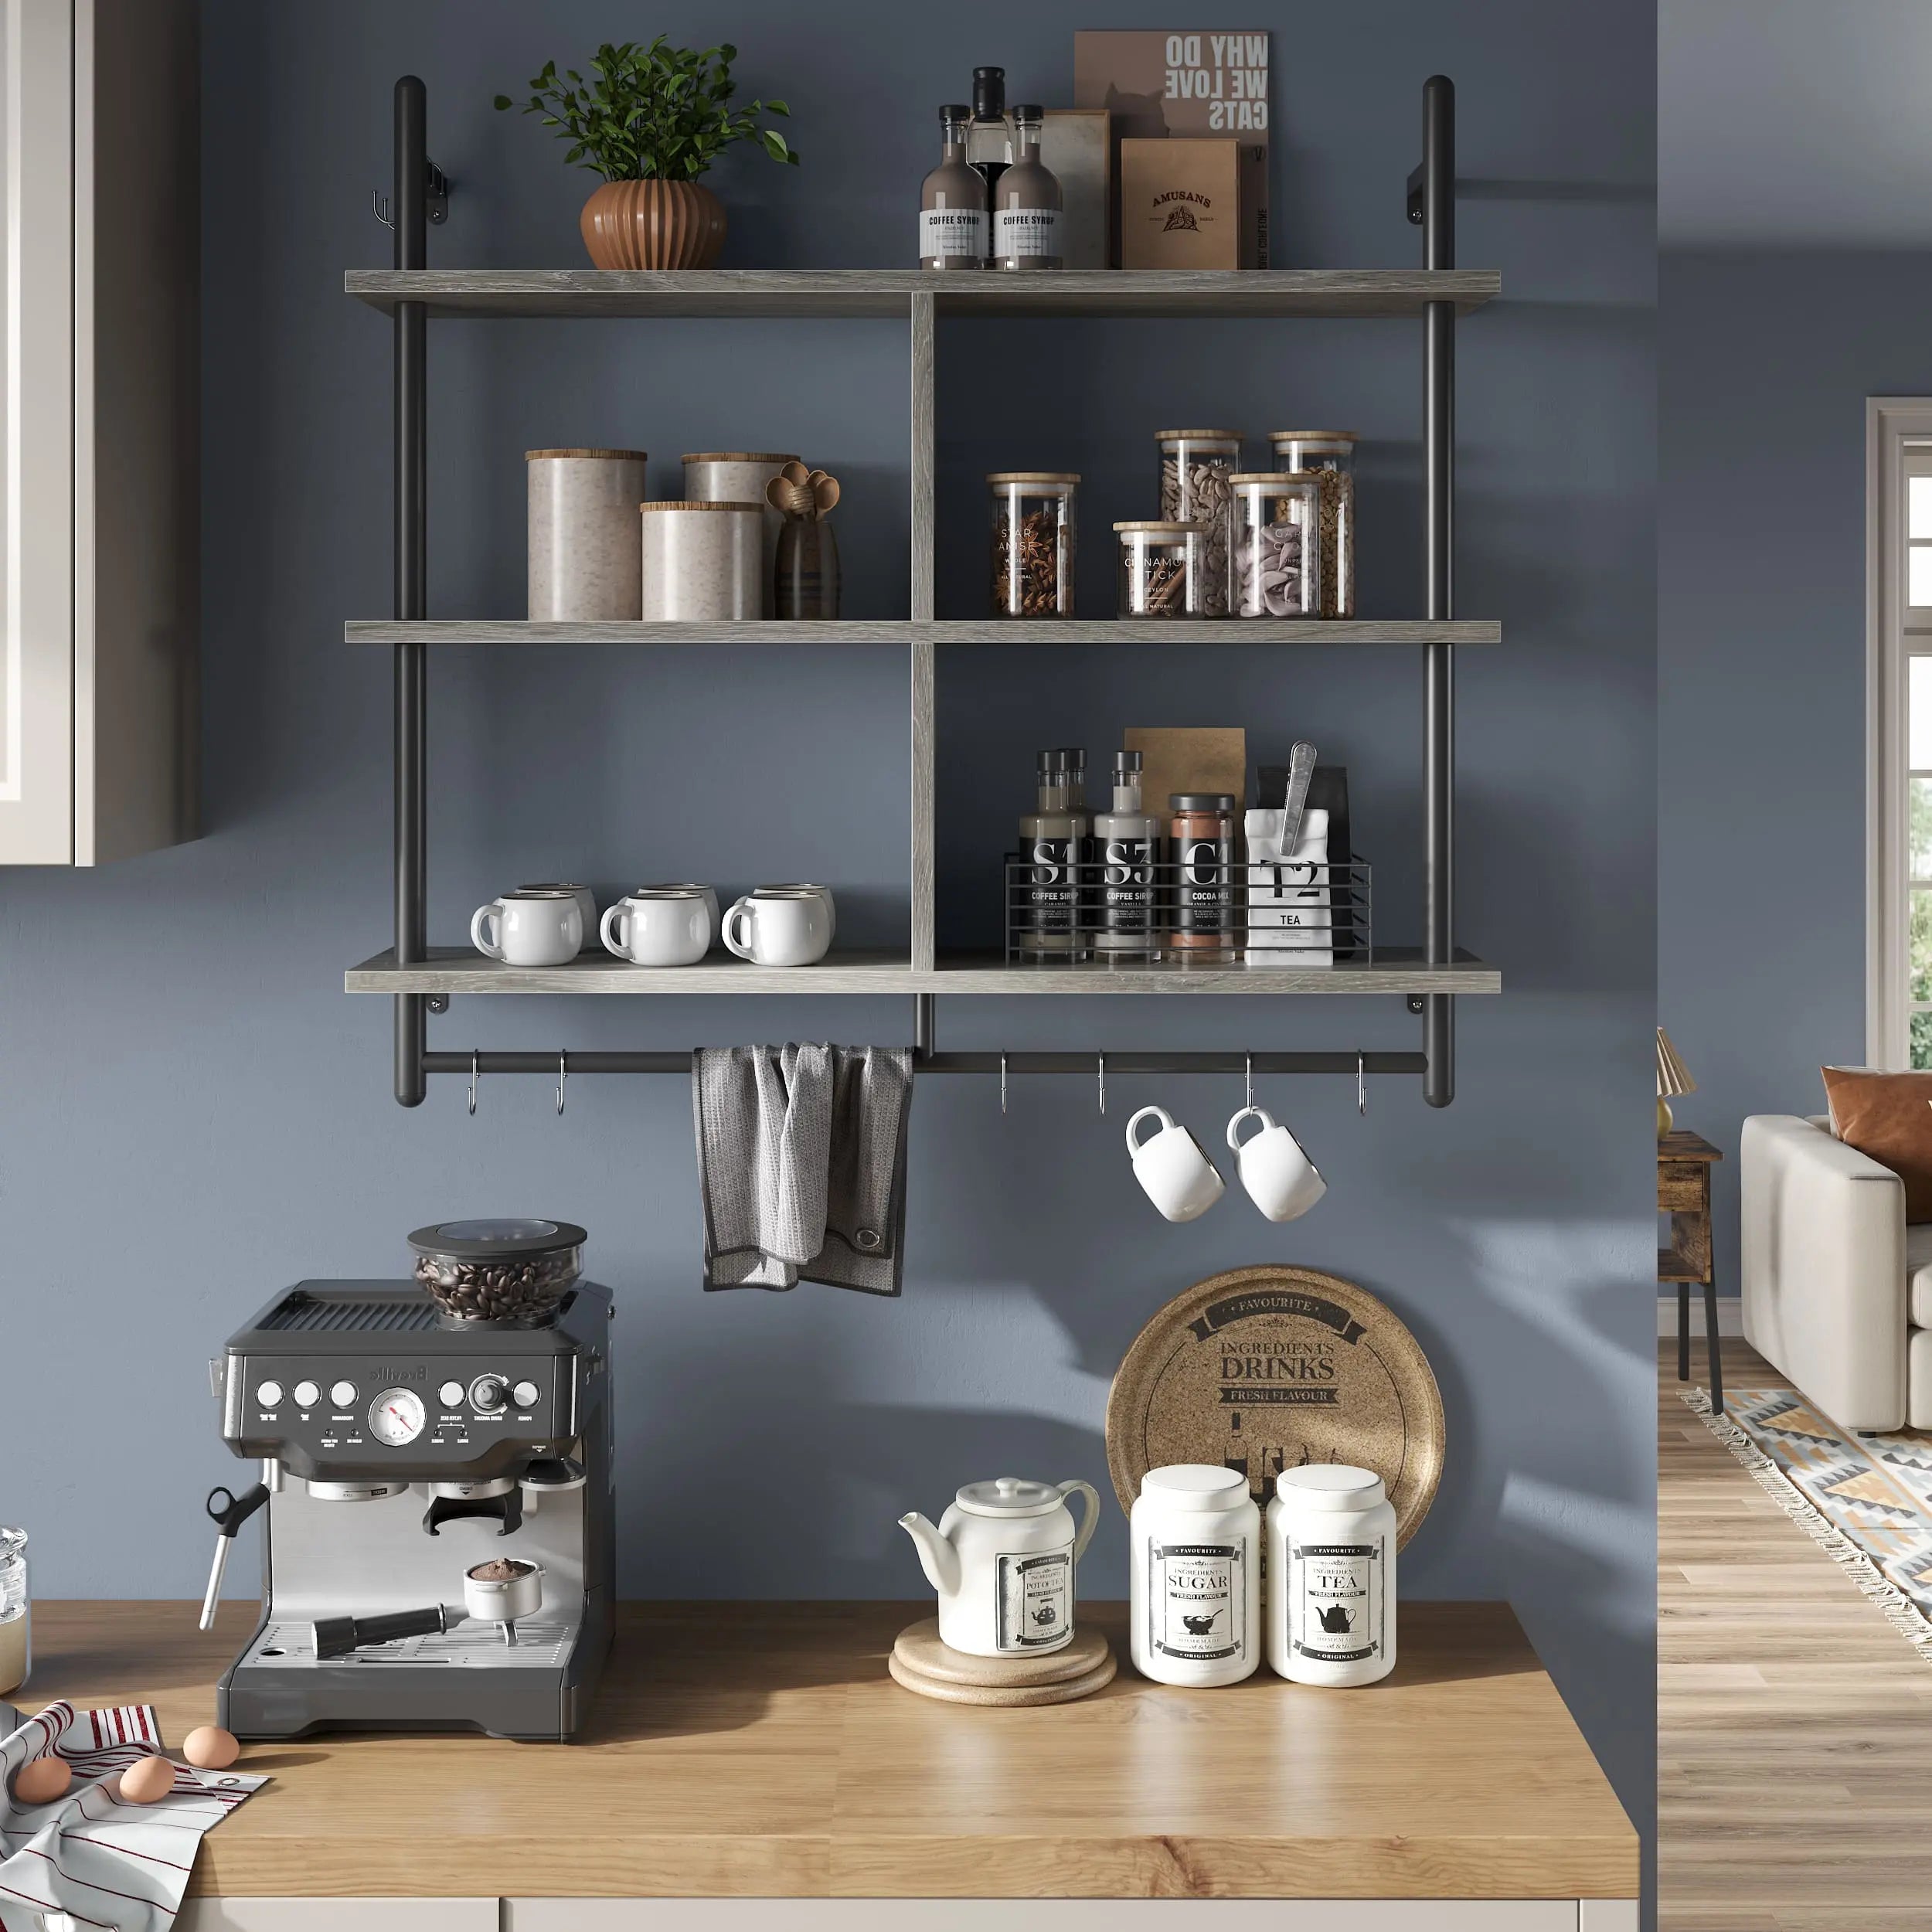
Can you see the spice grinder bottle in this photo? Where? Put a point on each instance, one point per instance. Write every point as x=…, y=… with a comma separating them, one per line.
x=952, y=204
x=1026, y=209
x=1125, y=841
x=1202, y=831
x=1050, y=844
x=989, y=135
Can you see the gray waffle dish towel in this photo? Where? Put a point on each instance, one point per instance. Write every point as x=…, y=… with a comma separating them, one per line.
x=801, y=1158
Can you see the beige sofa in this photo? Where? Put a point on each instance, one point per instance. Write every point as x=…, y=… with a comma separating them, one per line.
x=1837, y=1288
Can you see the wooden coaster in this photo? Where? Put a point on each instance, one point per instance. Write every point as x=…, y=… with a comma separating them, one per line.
x=1262, y=1369
x=1005, y=1695
x=921, y=1653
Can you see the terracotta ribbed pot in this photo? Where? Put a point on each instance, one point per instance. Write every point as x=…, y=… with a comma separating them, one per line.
x=653, y=224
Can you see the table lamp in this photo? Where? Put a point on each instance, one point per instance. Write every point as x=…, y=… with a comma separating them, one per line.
x=1673, y=1076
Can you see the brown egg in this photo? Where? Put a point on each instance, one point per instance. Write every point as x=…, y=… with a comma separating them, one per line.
x=211, y=1748
x=142, y=1783
x=43, y=1781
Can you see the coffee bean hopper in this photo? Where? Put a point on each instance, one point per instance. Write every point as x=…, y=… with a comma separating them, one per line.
x=435, y=1461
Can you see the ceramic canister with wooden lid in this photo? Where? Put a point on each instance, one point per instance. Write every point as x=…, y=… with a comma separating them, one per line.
x=739, y=476
x=584, y=535
x=702, y=562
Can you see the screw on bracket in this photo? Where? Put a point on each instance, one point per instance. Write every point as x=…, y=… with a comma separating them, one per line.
x=1416, y=1002
x=439, y=1003
x=436, y=198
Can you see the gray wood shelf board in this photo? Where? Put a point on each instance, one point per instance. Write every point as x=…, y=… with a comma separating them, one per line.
x=948, y=631
x=887, y=293
x=458, y=969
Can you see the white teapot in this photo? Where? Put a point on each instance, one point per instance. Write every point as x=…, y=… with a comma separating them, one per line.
x=1002, y=1561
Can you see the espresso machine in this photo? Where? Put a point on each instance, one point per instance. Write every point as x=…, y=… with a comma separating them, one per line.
x=437, y=1491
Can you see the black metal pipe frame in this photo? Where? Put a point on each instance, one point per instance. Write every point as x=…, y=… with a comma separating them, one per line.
x=1439, y=452
x=415, y=1062
x=411, y=220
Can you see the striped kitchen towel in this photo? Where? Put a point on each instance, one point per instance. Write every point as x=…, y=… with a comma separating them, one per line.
x=87, y=1860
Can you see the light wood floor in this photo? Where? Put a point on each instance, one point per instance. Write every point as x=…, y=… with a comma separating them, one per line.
x=1794, y=1723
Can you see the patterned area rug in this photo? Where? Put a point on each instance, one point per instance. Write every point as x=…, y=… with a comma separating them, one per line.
x=1866, y=1500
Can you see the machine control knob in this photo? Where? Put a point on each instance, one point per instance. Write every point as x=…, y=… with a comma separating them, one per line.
x=269, y=1394
x=343, y=1395
x=307, y=1395
x=450, y=1394
x=488, y=1393
x=525, y=1394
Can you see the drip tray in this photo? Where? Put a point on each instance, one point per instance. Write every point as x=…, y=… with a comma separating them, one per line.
x=539, y=1646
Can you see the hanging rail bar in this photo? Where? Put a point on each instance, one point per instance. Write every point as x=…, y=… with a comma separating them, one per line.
x=506, y=1062
x=411, y=226
x=1438, y=216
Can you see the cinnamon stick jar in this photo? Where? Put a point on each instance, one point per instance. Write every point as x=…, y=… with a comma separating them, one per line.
x=1203, y=841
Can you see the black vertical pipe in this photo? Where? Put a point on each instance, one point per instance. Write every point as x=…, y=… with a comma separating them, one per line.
x=1439, y=754
x=411, y=217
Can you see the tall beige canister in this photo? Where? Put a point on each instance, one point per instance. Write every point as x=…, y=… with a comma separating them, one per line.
x=584, y=535
x=739, y=476
x=702, y=562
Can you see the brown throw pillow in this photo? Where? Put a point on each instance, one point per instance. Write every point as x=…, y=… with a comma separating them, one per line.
x=1889, y=1117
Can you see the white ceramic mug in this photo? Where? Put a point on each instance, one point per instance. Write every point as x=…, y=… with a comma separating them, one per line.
x=585, y=899
x=532, y=928
x=659, y=926
x=708, y=893
x=1175, y=1175
x=798, y=892
x=1281, y=1179
x=794, y=931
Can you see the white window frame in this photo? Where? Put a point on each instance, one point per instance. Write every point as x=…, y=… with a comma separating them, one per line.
x=1898, y=444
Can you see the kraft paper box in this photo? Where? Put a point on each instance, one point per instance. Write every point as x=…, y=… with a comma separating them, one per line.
x=1187, y=758
x=1157, y=86
x=1184, y=204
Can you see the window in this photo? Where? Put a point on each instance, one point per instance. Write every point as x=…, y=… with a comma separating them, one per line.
x=1898, y=719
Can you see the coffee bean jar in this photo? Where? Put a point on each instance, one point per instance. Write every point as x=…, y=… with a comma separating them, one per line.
x=509, y=1271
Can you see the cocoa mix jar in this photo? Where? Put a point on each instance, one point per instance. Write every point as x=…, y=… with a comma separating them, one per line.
x=1202, y=839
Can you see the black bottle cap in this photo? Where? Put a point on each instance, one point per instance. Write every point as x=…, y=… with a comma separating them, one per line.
x=1201, y=801
x=989, y=93
x=1052, y=761
x=1127, y=761
x=1076, y=757
x=954, y=111
x=1029, y=113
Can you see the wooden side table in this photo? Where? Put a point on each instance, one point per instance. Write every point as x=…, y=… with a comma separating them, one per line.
x=1684, y=1163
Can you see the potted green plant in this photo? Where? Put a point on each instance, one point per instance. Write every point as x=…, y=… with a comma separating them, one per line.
x=651, y=121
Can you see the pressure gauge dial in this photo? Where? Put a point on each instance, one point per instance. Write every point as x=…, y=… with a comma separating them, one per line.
x=396, y=1417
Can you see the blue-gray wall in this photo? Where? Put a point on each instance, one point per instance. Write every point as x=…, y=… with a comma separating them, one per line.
x=198, y=1115
x=1764, y=362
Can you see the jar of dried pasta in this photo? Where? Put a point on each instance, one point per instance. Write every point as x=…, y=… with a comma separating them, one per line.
x=1273, y=545
x=1196, y=467
x=1328, y=455
x=1161, y=573
x=1033, y=542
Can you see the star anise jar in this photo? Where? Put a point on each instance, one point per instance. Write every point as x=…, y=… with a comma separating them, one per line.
x=1033, y=542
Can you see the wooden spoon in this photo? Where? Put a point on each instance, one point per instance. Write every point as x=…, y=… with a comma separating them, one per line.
x=824, y=493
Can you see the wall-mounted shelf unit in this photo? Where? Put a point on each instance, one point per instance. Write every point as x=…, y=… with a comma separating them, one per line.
x=421, y=978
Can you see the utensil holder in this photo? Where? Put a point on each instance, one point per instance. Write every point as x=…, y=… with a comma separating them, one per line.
x=805, y=573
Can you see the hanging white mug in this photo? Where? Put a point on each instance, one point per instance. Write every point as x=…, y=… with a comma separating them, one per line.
x=539, y=928
x=1281, y=1179
x=1175, y=1175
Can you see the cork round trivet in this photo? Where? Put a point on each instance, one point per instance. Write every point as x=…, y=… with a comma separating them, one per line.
x=918, y=1648
x=1006, y=1696
x=1261, y=1369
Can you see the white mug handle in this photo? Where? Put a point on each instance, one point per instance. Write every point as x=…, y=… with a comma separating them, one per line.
x=1089, y=1515
x=1261, y=1114
x=479, y=923
x=740, y=908
x=1160, y=1113
x=608, y=933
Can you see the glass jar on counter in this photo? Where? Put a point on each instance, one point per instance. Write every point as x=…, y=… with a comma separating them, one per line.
x=1197, y=468
x=15, y=1648
x=1203, y=838
x=1328, y=456
x=1034, y=531
x=1161, y=572
x=1273, y=545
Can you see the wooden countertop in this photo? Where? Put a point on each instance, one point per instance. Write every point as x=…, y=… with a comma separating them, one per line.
x=760, y=1749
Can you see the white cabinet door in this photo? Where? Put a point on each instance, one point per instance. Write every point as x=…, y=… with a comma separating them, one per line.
x=1040, y=1915
x=36, y=433
x=332, y=1915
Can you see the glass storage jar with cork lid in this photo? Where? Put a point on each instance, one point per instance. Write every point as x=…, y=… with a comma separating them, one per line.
x=1196, y=468
x=1273, y=545
x=1034, y=531
x=1162, y=574
x=1328, y=456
